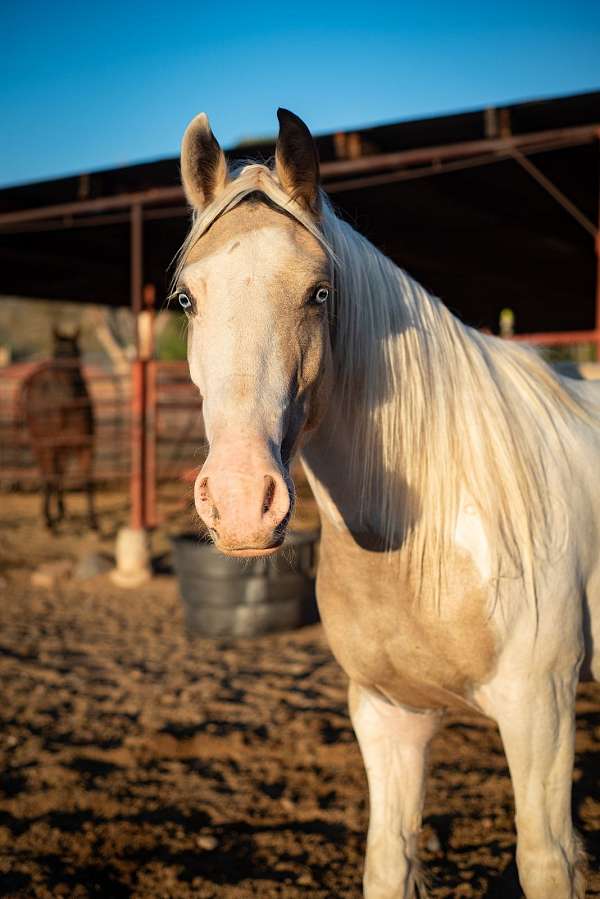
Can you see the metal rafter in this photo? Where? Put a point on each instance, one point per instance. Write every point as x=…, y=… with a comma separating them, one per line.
x=380, y=163
x=554, y=192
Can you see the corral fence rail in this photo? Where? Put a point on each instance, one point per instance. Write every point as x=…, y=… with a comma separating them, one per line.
x=178, y=429
x=173, y=422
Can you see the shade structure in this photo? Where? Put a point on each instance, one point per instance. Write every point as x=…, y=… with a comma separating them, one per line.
x=450, y=199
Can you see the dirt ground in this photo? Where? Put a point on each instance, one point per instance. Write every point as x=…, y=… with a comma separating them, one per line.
x=136, y=762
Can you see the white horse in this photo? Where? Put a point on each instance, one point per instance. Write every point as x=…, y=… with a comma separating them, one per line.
x=458, y=480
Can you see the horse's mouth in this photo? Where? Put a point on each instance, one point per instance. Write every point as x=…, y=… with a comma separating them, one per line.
x=253, y=550
x=249, y=552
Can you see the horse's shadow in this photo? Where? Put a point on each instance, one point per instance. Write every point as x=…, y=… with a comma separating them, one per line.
x=586, y=787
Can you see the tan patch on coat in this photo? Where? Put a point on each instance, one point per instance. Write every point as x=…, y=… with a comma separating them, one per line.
x=390, y=639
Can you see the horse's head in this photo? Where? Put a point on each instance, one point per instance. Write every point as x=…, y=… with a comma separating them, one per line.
x=65, y=343
x=255, y=281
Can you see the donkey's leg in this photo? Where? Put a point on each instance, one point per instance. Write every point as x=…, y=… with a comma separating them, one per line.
x=536, y=716
x=45, y=459
x=47, y=510
x=86, y=464
x=393, y=743
x=92, y=519
x=60, y=501
x=57, y=472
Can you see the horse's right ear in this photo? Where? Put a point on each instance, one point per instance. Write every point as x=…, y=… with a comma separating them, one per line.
x=204, y=171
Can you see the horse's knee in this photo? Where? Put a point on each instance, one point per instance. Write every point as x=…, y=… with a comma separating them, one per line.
x=381, y=882
x=552, y=870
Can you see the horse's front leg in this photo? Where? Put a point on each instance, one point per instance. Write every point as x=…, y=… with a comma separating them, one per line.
x=393, y=743
x=536, y=716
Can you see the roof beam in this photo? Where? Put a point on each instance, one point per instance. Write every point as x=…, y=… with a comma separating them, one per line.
x=100, y=204
x=527, y=143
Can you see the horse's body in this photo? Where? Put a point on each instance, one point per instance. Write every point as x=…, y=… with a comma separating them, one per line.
x=457, y=480
x=58, y=411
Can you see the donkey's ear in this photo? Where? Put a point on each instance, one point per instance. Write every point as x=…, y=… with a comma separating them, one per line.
x=203, y=166
x=297, y=161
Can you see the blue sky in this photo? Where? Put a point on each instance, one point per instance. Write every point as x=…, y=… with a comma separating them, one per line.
x=88, y=85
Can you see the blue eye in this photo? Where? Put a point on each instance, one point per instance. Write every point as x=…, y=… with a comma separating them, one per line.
x=184, y=301
x=321, y=295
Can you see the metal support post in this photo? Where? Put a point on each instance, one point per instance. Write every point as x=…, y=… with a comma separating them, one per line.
x=132, y=550
x=146, y=334
x=138, y=376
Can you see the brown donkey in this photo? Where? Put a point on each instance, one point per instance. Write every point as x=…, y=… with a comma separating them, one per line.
x=58, y=411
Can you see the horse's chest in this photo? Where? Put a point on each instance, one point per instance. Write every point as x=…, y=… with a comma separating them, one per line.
x=390, y=640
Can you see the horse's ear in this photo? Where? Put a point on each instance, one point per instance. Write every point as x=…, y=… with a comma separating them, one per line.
x=297, y=161
x=204, y=171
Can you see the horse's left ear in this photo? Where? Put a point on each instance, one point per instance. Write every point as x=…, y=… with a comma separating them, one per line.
x=203, y=165
x=297, y=161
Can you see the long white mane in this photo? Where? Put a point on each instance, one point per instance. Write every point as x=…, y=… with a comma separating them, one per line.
x=438, y=408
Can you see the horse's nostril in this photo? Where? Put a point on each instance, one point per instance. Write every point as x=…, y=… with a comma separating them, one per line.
x=205, y=503
x=269, y=494
x=203, y=490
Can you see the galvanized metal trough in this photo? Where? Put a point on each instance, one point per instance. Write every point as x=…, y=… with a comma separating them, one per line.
x=228, y=597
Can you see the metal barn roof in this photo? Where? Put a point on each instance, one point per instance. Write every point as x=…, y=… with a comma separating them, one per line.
x=492, y=208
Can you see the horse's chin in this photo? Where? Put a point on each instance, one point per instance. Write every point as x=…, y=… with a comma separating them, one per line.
x=249, y=552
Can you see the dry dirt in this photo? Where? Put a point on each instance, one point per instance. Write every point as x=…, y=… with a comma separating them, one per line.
x=138, y=763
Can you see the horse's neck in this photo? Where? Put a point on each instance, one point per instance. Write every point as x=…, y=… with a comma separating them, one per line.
x=332, y=463
x=475, y=417
x=68, y=372
x=344, y=453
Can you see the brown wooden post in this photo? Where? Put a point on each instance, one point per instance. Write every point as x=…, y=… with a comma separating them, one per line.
x=137, y=375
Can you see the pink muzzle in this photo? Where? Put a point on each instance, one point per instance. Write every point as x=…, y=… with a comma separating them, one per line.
x=245, y=506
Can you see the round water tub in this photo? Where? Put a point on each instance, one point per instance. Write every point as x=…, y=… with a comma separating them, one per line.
x=228, y=597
